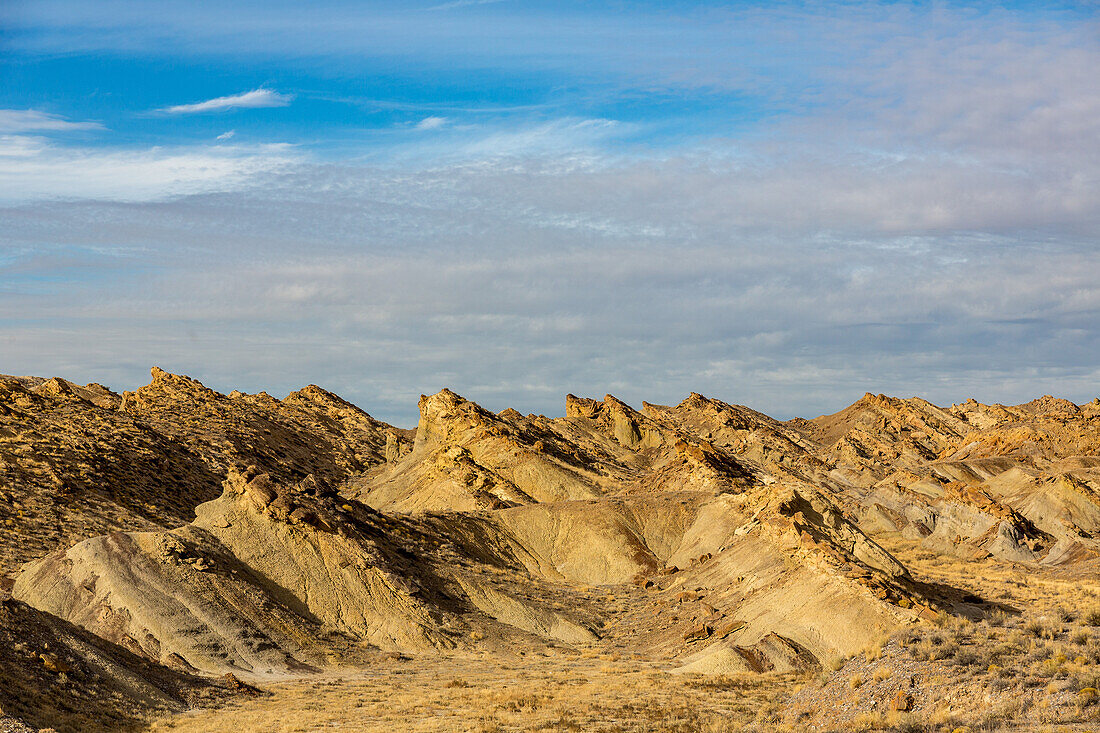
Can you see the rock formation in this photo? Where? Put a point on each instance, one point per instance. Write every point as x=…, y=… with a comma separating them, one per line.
x=80, y=461
x=209, y=533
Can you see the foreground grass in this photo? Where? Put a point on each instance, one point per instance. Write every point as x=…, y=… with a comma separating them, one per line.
x=530, y=694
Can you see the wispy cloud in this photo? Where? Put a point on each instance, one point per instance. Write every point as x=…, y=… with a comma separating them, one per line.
x=254, y=99
x=30, y=120
x=558, y=135
x=21, y=146
x=431, y=123
x=227, y=134
x=30, y=172
x=462, y=4
x=521, y=312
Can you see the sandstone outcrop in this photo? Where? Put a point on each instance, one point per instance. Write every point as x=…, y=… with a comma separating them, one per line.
x=1020, y=482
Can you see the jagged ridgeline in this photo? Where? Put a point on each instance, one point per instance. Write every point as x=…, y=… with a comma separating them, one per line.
x=212, y=533
x=76, y=461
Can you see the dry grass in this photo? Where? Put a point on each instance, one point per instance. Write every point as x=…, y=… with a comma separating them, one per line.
x=1031, y=664
x=549, y=694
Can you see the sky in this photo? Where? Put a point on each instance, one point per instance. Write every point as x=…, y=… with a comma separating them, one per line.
x=783, y=205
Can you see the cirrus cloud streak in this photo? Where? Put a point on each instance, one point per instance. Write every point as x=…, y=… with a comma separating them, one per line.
x=255, y=99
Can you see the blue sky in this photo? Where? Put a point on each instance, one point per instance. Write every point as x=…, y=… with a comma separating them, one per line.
x=778, y=204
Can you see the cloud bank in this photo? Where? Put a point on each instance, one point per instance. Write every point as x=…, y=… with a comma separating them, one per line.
x=517, y=280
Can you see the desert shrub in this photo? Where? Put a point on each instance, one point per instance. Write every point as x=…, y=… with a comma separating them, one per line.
x=1059, y=686
x=996, y=718
x=721, y=683
x=908, y=723
x=1087, y=696
x=1086, y=680
x=855, y=681
x=524, y=703
x=930, y=649
x=1005, y=650
x=1039, y=653
x=1092, y=617
x=866, y=722
x=907, y=637
x=968, y=658
x=947, y=650
x=987, y=657
x=1054, y=665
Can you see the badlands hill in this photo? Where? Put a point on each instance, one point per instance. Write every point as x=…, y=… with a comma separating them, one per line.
x=76, y=461
x=176, y=535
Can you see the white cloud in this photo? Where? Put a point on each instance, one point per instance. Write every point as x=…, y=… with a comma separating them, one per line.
x=30, y=120
x=21, y=146
x=462, y=4
x=134, y=175
x=431, y=123
x=227, y=134
x=554, y=136
x=256, y=98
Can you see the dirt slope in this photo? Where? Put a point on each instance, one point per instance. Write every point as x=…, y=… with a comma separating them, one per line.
x=73, y=466
x=55, y=675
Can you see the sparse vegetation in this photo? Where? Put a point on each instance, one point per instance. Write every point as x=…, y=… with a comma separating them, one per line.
x=1038, y=663
x=546, y=695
